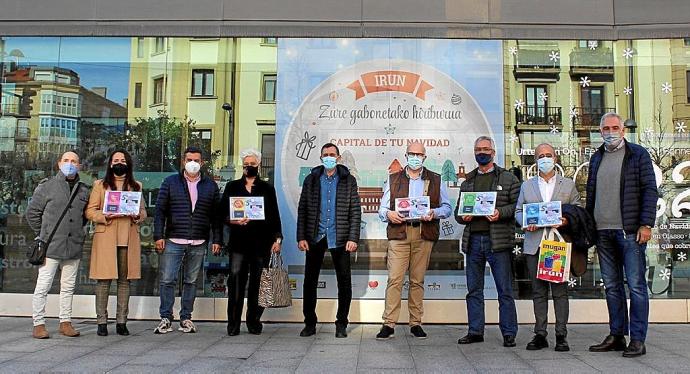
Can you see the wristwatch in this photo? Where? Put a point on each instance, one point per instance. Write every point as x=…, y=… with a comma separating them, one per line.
x=279, y=240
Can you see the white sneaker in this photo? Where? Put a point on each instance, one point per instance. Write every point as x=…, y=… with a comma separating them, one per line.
x=164, y=327
x=187, y=326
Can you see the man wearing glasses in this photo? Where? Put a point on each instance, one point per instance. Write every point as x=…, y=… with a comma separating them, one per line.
x=411, y=240
x=489, y=239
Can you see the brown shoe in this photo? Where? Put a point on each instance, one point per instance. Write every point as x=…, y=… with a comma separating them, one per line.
x=40, y=332
x=66, y=329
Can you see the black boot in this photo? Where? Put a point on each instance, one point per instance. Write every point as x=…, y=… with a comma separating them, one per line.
x=561, y=344
x=121, y=329
x=611, y=343
x=537, y=343
x=102, y=329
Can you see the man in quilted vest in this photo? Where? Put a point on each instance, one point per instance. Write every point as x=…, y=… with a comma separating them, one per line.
x=410, y=241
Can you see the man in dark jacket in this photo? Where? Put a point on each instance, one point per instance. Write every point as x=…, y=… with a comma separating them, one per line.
x=622, y=197
x=185, y=213
x=490, y=239
x=328, y=218
x=49, y=200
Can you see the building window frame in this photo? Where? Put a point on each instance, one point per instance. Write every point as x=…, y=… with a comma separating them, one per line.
x=266, y=78
x=138, y=89
x=270, y=42
x=140, y=47
x=158, y=90
x=159, y=45
x=205, y=90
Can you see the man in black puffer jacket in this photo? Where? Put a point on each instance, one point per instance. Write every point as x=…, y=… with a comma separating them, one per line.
x=328, y=218
x=185, y=213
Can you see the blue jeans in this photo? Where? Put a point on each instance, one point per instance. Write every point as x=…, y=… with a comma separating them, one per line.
x=479, y=253
x=190, y=257
x=620, y=255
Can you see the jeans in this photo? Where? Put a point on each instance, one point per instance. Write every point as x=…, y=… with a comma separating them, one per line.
x=245, y=267
x=175, y=256
x=68, y=280
x=312, y=268
x=620, y=255
x=479, y=254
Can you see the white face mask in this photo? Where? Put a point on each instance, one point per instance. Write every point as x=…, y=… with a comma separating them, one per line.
x=192, y=167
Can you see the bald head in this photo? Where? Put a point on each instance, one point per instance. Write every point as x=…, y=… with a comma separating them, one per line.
x=545, y=150
x=416, y=147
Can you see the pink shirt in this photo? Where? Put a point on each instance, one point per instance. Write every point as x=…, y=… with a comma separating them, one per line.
x=193, y=195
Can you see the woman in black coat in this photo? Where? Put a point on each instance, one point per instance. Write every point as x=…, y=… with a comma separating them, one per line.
x=250, y=243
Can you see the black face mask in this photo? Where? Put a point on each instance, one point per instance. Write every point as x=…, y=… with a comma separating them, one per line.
x=251, y=171
x=120, y=169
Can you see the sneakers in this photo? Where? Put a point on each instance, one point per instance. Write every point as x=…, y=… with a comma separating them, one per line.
x=164, y=327
x=187, y=326
x=418, y=332
x=386, y=333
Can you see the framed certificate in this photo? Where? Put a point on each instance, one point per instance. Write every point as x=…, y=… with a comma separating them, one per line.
x=413, y=208
x=247, y=207
x=122, y=202
x=542, y=214
x=477, y=203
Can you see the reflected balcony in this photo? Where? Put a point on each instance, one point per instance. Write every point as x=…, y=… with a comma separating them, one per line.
x=537, y=65
x=596, y=64
x=588, y=118
x=537, y=118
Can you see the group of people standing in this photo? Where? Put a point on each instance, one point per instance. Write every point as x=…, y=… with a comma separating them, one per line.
x=620, y=202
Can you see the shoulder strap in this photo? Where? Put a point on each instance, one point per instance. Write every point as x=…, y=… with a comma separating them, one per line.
x=64, y=212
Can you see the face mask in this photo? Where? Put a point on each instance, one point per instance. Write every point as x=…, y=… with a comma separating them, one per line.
x=120, y=169
x=414, y=162
x=251, y=171
x=612, y=139
x=483, y=159
x=68, y=169
x=329, y=162
x=192, y=167
x=545, y=164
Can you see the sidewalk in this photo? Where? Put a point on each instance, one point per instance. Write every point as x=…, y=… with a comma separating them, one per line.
x=280, y=349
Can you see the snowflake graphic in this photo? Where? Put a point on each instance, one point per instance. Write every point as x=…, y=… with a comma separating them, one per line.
x=553, y=130
x=665, y=274
x=680, y=126
x=682, y=256
x=517, y=250
x=554, y=56
x=627, y=90
x=513, y=51
x=585, y=81
x=390, y=129
x=513, y=138
x=543, y=97
x=572, y=282
x=592, y=44
x=628, y=53
x=666, y=87
x=573, y=112
x=649, y=132
x=519, y=104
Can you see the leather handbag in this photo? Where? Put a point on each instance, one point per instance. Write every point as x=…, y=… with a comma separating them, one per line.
x=38, y=249
x=274, y=288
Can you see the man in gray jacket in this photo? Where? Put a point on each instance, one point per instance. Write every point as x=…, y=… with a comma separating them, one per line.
x=545, y=187
x=65, y=249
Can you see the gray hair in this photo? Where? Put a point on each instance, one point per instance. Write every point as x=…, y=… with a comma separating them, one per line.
x=490, y=139
x=610, y=115
x=250, y=152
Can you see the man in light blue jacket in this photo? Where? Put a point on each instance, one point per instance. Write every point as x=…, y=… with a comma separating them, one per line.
x=544, y=187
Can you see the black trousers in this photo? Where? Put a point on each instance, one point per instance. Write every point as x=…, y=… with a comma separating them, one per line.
x=245, y=267
x=312, y=268
x=540, y=298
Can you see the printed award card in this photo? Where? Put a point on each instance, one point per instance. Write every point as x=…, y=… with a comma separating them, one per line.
x=477, y=203
x=542, y=214
x=247, y=207
x=122, y=202
x=413, y=208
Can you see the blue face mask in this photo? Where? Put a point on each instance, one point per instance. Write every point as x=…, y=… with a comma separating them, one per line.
x=612, y=139
x=483, y=159
x=329, y=162
x=414, y=162
x=545, y=164
x=68, y=169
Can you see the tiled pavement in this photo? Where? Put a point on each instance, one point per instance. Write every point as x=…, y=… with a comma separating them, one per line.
x=280, y=349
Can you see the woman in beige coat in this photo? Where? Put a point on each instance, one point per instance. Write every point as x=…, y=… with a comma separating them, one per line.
x=116, y=251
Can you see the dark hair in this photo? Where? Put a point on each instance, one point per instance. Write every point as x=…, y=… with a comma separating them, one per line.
x=193, y=149
x=329, y=145
x=109, y=180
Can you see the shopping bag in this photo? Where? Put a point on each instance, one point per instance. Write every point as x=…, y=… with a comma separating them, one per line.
x=274, y=288
x=554, y=257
